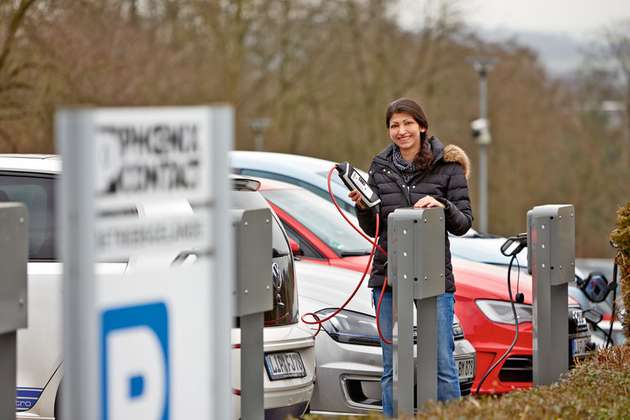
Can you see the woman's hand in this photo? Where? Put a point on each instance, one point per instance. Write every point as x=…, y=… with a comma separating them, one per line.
x=427, y=202
x=356, y=197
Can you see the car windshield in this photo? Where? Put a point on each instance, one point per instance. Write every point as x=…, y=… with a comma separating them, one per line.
x=321, y=218
x=335, y=178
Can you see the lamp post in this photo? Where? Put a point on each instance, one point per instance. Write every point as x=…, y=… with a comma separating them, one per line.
x=258, y=126
x=481, y=133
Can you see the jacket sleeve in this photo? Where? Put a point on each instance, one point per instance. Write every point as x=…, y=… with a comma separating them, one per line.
x=457, y=203
x=367, y=216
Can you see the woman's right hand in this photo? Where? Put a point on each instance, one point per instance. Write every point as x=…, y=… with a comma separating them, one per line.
x=356, y=197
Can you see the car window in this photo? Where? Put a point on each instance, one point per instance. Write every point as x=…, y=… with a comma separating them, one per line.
x=321, y=218
x=307, y=249
x=278, y=240
x=37, y=194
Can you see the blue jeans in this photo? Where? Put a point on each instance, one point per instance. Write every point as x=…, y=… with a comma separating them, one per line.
x=448, y=375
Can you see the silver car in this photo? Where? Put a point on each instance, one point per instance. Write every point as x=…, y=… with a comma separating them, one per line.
x=347, y=350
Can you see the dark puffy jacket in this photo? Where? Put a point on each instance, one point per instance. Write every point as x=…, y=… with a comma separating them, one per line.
x=445, y=181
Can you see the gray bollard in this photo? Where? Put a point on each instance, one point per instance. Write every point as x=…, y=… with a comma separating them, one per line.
x=253, y=235
x=416, y=273
x=13, y=295
x=551, y=261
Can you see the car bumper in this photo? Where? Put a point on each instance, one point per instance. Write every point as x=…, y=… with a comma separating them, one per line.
x=348, y=376
x=516, y=371
x=285, y=397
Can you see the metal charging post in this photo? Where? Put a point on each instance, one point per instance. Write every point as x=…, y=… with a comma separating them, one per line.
x=253, y=298
x=416, y=272
x=551, y=261
x=13, y=316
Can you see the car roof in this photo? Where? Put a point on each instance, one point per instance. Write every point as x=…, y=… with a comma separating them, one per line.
x=304, y=169
x=41, y=163
x=282, y=160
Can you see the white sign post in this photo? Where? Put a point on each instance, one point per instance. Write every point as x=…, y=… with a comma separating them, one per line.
x=142, y=186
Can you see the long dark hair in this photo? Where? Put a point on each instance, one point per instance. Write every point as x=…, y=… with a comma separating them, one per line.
x=423, y=159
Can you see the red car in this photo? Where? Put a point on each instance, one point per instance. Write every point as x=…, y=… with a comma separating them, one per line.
x=319, y=234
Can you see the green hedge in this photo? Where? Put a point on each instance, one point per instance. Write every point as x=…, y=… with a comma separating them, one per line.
x=598, y=388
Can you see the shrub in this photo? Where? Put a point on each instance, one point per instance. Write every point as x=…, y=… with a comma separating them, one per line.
x=598, y=388
x=620, y=237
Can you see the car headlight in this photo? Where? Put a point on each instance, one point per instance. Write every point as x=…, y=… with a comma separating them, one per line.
x=458, y=331
x=351, y=327
x=500, y=311
x=358, y=328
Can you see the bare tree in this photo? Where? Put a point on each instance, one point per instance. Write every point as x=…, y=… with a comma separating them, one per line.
x=14, y=82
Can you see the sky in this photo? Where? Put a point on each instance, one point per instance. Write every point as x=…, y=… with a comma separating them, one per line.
x=577, y=18
x=557, y=29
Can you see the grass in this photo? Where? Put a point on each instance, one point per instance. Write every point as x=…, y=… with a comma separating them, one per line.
x=598, y=388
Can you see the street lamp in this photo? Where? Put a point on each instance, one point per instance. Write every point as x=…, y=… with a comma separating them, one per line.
x=481, y=134
x=258, y=126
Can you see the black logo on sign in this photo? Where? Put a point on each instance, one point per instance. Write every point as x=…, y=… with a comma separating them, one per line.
x=158, y=157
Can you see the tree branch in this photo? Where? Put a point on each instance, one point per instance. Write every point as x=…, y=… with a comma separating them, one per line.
x=12, y=29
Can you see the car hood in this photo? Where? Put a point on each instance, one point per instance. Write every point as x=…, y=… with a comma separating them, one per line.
x=322, y=286
x=328, y=287
x=487, y=281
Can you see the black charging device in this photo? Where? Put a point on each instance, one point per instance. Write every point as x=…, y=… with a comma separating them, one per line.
x=355, y=182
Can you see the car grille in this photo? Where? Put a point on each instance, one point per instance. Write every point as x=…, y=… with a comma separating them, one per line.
x=356, y=392
x=465, y=388
x=577, y=322
x=457, y=335
x=517, y=369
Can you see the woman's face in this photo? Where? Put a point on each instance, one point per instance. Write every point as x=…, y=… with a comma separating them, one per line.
x=405, y=132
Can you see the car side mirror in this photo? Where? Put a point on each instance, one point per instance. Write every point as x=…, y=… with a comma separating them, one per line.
x=295, y=248
x=595, y=287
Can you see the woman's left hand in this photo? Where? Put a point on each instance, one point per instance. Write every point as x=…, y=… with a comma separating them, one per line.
x=427, y=202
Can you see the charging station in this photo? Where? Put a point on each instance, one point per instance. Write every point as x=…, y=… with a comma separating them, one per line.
x=253, y=297
x=551, y=262
x=13, y=297
x=416, y=272
x=140, y=186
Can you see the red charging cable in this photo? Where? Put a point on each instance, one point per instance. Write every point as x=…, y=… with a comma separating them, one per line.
x=375, y=245
x=317, y=320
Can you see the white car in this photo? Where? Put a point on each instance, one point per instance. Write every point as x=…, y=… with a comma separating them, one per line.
x=31, y=179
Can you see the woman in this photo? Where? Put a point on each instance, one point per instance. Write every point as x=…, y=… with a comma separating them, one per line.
x=417, y=171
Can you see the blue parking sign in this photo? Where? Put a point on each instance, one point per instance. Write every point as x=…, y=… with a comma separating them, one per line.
x=134, y=362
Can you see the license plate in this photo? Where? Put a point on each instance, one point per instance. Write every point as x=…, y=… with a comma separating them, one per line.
x=466, y=368
x=284, y=365
x=578, y=347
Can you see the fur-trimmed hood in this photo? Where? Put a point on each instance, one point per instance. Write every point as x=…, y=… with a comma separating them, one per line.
x=456, y=154
x=449, y=153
